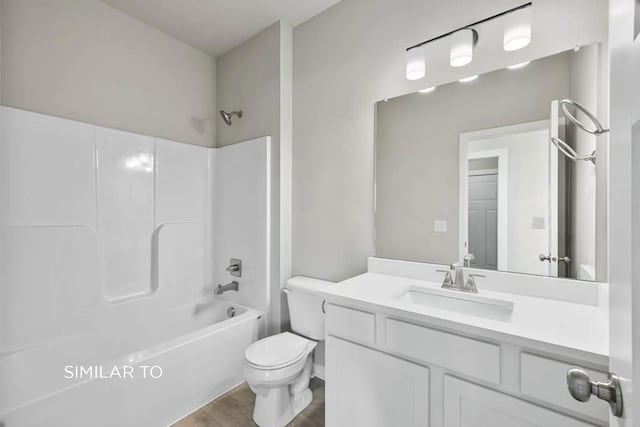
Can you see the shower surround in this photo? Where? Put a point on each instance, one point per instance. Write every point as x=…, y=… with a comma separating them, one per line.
x=112, y=243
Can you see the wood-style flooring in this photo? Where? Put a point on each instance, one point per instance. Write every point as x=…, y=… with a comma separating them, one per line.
x=235, y=409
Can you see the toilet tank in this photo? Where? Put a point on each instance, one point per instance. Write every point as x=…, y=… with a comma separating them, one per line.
x=305, y=306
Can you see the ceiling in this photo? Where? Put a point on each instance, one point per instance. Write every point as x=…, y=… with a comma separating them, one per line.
x=215, y=26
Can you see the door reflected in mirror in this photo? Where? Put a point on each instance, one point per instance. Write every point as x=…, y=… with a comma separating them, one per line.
x=507, y=185
x=482, y=213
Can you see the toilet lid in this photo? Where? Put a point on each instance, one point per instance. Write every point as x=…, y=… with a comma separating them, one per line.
x=277, y=351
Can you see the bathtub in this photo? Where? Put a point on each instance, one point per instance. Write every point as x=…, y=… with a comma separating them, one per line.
x=198, y=356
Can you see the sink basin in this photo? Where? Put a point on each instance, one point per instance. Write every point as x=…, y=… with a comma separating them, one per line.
x=459, y=302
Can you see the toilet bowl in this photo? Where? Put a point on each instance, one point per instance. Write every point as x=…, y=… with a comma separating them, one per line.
x=278, y=368
x=278, y=371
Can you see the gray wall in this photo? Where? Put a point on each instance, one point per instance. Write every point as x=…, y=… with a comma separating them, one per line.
x=84, y=60
x=248, y=79
x=351, y=56
x=1, y=51
x=417, y=151
x=255, y=77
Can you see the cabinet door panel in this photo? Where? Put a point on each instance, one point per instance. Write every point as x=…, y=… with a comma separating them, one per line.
x=369, y=388
x=470, y=405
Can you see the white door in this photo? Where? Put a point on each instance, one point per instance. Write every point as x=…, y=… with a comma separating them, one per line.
x=624, y=208
x=483, y=220
x=624, y=200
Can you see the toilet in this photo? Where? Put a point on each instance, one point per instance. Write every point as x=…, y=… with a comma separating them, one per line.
x=278, y=368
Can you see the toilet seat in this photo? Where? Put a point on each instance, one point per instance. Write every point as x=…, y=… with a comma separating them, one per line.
x=278, y=351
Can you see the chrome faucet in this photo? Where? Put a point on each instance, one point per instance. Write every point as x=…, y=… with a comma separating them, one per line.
x=232, y=286
x=468, y=259
x=459, y=284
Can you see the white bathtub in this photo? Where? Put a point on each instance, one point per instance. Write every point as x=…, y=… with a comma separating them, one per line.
x=202, y=361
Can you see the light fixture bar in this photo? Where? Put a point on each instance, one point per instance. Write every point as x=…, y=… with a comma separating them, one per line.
x=497, y=15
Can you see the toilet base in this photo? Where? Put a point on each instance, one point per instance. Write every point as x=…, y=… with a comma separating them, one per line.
x=278, y=406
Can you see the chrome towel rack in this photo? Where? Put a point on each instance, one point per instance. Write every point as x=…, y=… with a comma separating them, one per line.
x=595, y=128
x=571, y=153
x=598, y=128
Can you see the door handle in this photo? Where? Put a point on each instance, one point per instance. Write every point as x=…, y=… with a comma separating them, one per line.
x=544, y=257
x=551, y=258
x=581, y=387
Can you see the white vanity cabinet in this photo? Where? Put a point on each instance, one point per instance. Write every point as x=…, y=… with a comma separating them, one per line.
x=385, y=370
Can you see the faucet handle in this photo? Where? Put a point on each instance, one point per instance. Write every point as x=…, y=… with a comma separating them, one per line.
x=448, y=280
x=471, y=283
x=235, y=267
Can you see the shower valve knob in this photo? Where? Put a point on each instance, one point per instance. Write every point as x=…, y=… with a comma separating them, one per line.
x=235, y=267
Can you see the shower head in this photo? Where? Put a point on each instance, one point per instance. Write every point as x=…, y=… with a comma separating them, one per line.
x=227, y=116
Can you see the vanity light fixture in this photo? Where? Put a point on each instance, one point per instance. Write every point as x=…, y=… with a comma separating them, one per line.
x=517, y=34
x=427, y=90
x=520, y=65
x=468, y=79
x=517, y=29
x=461, y=47
x=416, y=64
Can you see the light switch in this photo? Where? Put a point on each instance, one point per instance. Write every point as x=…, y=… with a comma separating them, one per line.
x=440, y=226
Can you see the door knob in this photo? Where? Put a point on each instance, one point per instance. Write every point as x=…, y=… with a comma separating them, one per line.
x=581, y=387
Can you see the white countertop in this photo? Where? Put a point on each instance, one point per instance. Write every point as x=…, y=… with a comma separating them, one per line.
x=570, y=329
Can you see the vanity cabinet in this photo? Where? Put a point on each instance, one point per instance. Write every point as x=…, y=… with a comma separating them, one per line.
x=384, y=371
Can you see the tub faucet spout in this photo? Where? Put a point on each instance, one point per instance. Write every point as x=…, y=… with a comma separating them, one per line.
x=232, y=286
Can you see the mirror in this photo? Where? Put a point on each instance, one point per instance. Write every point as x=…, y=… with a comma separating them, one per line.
x=468, y=172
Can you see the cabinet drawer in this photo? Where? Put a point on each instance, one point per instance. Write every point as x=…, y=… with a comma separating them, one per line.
x=466, y=356
x=545, y=379
x=354, y=325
